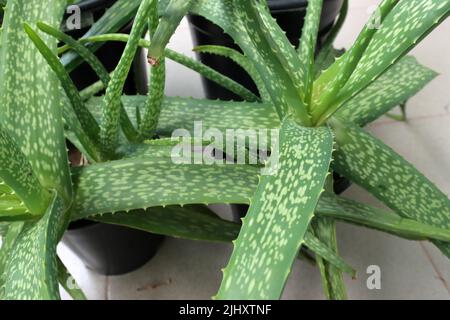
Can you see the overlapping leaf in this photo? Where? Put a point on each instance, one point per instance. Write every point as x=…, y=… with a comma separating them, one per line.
x=279, y=215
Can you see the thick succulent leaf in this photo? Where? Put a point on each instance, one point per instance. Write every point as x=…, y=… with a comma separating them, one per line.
x=183, y=112
x=368, y=162
x=150, y=182
x=109, y=129
x=68, y=282
x=17, y=175
x=188, y=222
x=394, y=87
x=188, y=62
x=30, y=95
x=279, y=215
x=171, y=18
x=332, y=279
x=307, y=48
x=115, y=18
x=407, y=24
x=11, y=233
x=361, y=214
x=31, y=270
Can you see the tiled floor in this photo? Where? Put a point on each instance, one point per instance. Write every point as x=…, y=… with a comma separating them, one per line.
x=191, y=270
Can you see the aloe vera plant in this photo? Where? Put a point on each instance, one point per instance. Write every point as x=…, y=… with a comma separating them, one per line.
x=134, y=179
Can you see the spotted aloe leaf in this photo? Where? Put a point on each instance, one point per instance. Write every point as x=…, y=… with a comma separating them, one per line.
x=186, y=61
x=11, y=233
x=171, y=18
x=279, y=215
x=31, y=270
x=109, y=129
x=115, y=18
x=373, y=165
x=17, y=175
x=394, y=87
x=183, y=112
x=364, y=215
x=307, y=48
x=407, y=24
x=31, y=99
x=148, y=182
x=332, y=279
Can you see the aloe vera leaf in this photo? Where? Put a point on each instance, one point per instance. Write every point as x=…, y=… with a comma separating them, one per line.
x=87, y=121
x=17, y=174
x=186, y=61
x=349, y=63
x=242, y=61
x=101, y=72
x=325, y=59
x=109, y=128
x=407, y=24
x=31, y=270
x=171, y=18
x=371, y=164
x=307, y=48
x=68, y=282
x=148, y=182
x=364, y=215
x=149, y=123
x=12, y=232
x=30, y=94
x=279, y=215
x=115, y=18
x=183, y=112
x=325, y=230
x=397, y=85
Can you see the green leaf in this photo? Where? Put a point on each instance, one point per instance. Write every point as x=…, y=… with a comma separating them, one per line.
x=72, y=91
x=30, y=95
x=327, y=89
x=279, y=215
x=191, y=222
x=397, y=85
x=364, y=215
x=371, y=164
x=12, y=232
x=115, y=18
x=31, y=270
x=332, y=280
x=149, y=182
x=171, y=18
x=149, y=123
x=183, y=112
x=109, y=129
x=188, y=62
x=307, y=48
x=68, y=282
x=87, y=121
x=17, y=174
x=407, y=24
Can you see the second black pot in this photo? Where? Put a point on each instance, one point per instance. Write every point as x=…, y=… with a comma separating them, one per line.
x=290, y=15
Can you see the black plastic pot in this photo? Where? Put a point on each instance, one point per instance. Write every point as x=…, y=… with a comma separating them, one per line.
x=109, y=249
x=103, y=248
x=290, y=15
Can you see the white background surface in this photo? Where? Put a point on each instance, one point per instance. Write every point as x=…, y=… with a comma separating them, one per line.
x=191, y=270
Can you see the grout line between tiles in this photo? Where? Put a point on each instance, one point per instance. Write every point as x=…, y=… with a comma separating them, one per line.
x=107, y=287
x=435, y=268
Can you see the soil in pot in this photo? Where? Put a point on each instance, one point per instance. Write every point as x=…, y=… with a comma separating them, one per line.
x=290, y=15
